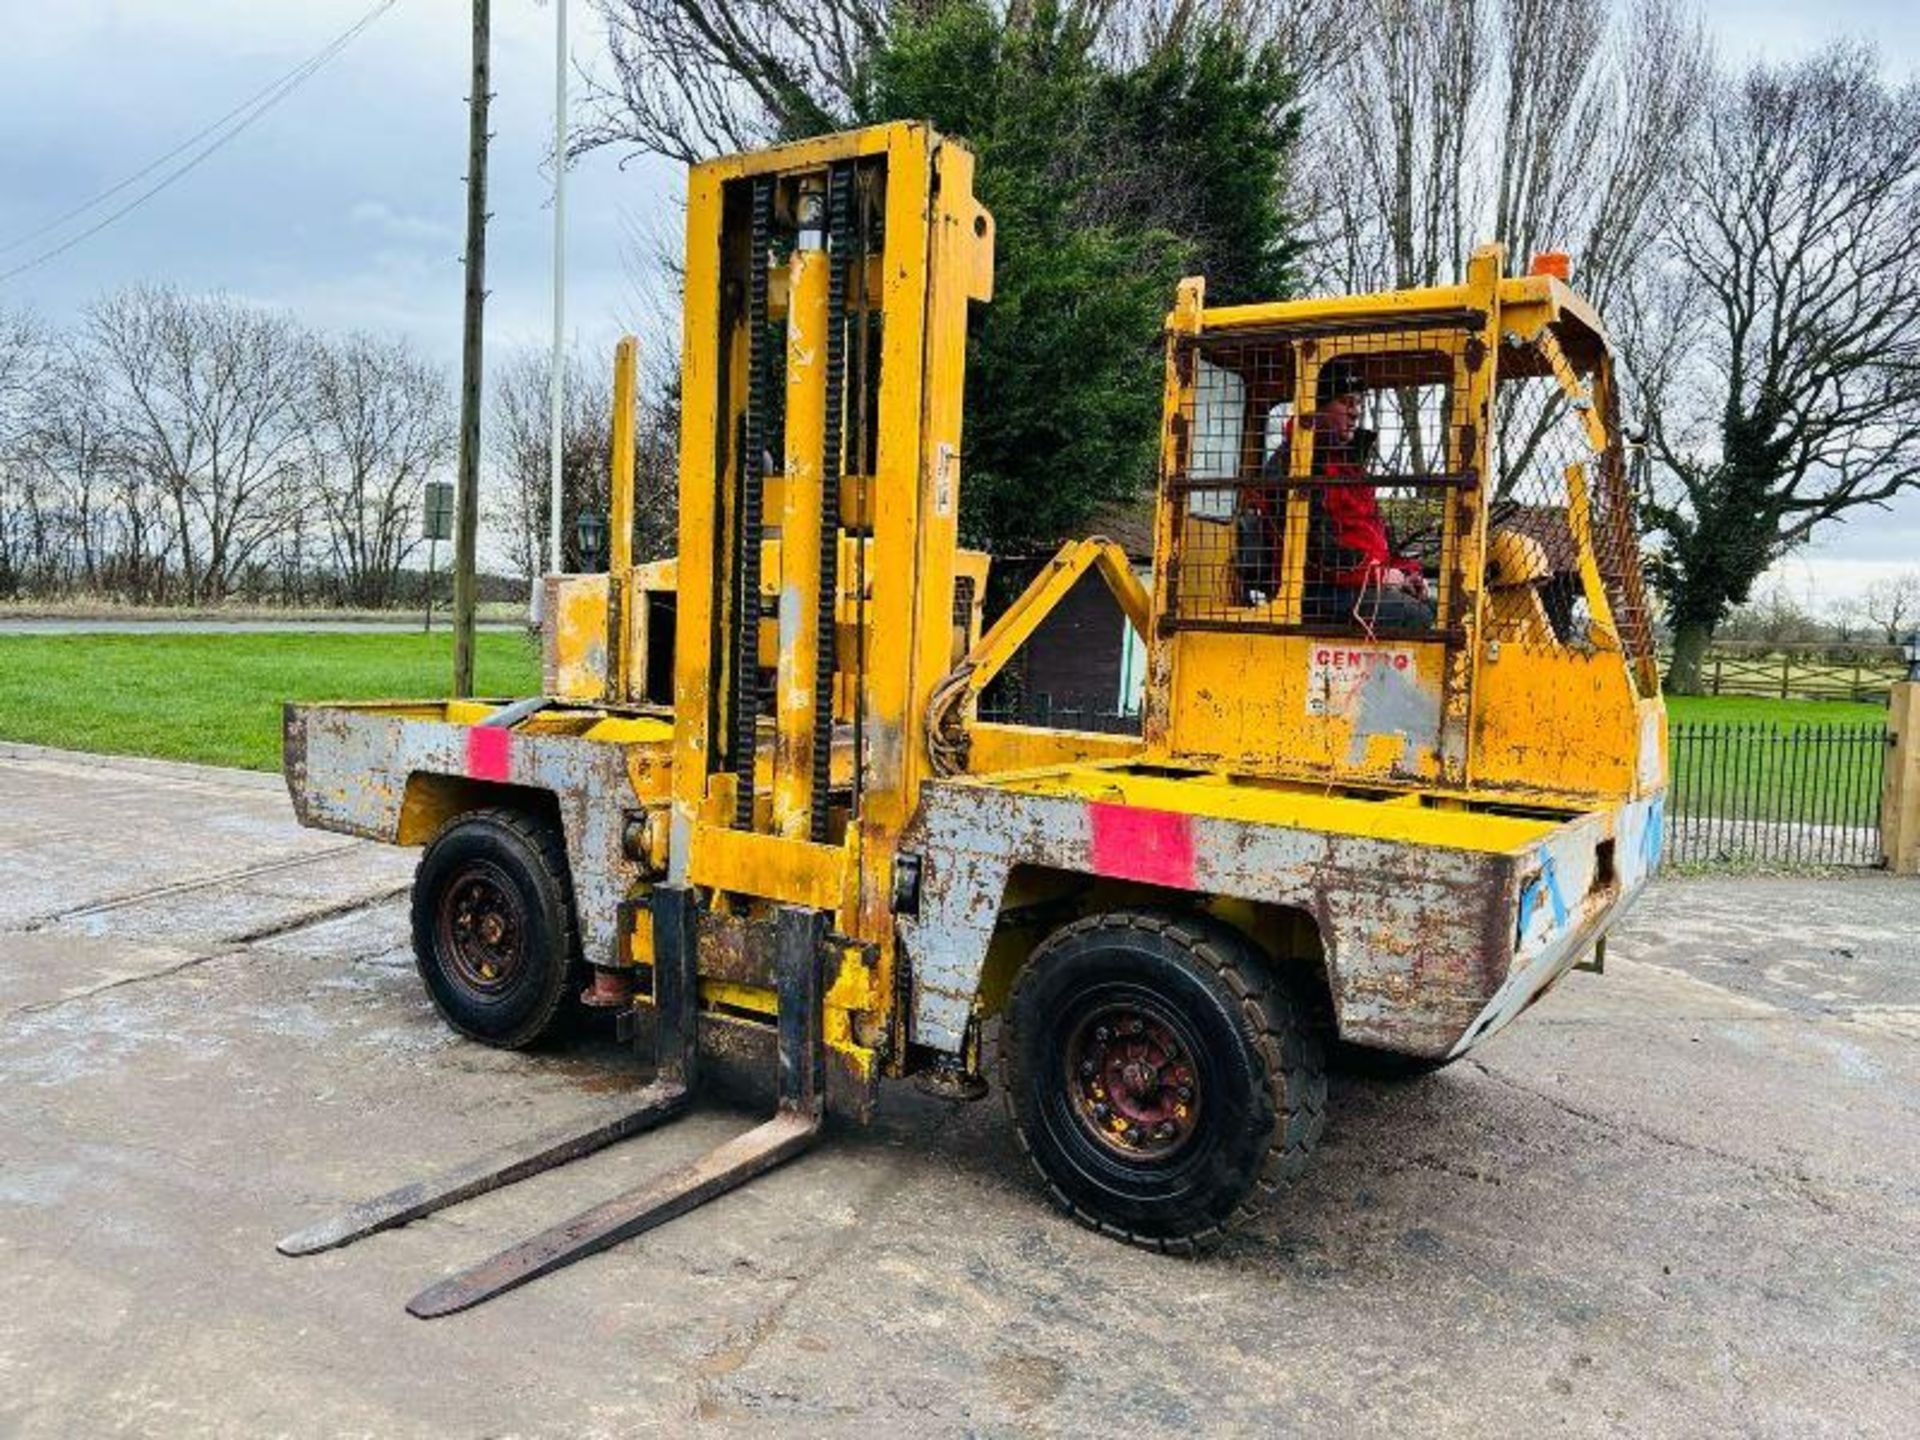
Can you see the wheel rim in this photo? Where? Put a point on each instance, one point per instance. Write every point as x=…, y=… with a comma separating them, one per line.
x=1131, y=1080
x=482, y=925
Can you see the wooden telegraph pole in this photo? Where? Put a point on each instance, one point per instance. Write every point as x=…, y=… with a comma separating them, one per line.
x=466, y=525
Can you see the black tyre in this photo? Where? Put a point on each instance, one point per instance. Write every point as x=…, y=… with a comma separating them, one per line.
x=1161, y=1078
x=493, y=926
x=1372, y=1064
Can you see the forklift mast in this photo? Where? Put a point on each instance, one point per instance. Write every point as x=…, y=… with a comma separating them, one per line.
x=822, y=374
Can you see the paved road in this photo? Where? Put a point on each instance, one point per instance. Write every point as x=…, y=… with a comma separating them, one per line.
x=1680, y=1199
x=35, y=626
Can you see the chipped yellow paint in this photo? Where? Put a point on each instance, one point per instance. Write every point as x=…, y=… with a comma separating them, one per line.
x=574, y=650
x=797, y=637
x=1293, y=806
x=1512, y=741
x=937, y=255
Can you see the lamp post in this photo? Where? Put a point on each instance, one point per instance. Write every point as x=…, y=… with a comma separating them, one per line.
x=590, y=529
x=1910, y=647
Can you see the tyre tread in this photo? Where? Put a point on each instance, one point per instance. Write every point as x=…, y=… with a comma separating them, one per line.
x=548, y=849
x=1279, y=1021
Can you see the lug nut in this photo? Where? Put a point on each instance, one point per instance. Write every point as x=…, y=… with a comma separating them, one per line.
x=1134, y=1027
x=1133, y=1134
x=1163, y=1131
x=1101, y=1035
x=1185, y=1092
x=1100, y=1110
x=1088, y=1069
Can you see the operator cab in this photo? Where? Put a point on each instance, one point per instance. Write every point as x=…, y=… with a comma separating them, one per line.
x=1412, y=512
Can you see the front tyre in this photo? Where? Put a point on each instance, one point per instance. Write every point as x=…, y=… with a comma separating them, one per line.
x=493, y=926
x=1160, y=1076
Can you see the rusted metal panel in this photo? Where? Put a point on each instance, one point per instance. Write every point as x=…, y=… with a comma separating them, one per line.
x=576, y=663
x=1419, y=939
x=348, y=768
x=736, y=950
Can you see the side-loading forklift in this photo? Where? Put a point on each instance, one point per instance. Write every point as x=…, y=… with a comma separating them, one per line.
x=1401, y=763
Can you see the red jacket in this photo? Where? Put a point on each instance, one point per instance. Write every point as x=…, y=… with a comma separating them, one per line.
x=1346, y=534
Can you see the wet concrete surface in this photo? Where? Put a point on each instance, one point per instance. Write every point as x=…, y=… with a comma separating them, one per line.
x=1677, y=1199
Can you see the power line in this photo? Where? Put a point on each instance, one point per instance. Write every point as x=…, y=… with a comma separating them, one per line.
x=223, y=130
x=299, y=72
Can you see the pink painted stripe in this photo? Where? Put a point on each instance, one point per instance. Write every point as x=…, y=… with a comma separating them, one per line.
x=489, y=754
x=1153, y=846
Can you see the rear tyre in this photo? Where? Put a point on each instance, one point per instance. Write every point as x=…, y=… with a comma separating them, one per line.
x=493, y=927
x=1161, y=1078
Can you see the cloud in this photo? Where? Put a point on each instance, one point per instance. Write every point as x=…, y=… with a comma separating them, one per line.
x=378, y=215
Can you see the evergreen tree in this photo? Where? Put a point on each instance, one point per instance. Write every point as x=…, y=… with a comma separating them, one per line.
x=1106, y=185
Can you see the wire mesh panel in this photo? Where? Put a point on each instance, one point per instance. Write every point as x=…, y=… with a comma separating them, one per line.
x=1560, y=489
x=1313, y=481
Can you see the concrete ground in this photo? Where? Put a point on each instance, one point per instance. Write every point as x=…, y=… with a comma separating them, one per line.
x=1682, y=1198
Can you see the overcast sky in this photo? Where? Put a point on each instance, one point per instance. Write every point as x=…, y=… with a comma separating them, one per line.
x=344, y=203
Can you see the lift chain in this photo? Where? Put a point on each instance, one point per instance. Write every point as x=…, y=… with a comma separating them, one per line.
x=839, y=246
x=746, y=610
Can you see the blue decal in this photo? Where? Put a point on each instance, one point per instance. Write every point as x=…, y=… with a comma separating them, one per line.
x=1547, y=884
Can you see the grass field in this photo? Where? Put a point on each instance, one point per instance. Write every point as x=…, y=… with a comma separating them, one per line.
x=216, y=698
x=1739, y=710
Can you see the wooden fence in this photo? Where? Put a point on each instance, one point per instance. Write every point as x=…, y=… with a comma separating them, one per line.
x=1861, y=673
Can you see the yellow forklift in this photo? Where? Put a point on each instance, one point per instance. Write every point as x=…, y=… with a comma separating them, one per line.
x=1401, y=764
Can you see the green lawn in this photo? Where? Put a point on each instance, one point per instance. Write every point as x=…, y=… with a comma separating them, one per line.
x=1739, y=710
x=216, y=698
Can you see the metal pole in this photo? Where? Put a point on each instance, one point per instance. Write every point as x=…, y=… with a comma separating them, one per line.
x=557, y=385
x=433, y=547
x=467, y=510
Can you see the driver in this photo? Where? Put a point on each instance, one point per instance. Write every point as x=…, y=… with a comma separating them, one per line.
x=1353, y=575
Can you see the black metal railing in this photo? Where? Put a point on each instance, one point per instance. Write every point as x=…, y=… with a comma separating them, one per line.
x=1787, y=795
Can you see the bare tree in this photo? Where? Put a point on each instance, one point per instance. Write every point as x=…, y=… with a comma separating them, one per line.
x=23, y=358
x=519, y=437
x=1892, y=605
x=207, y=391
x=379, y=425
x=696, y=78
x=69, y=443
x=1775, y=616
x=1798, y=398
x=1444, y=123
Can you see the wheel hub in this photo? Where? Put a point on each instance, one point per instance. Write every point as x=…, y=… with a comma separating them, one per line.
x=1132, y=1083
x=483, y=930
